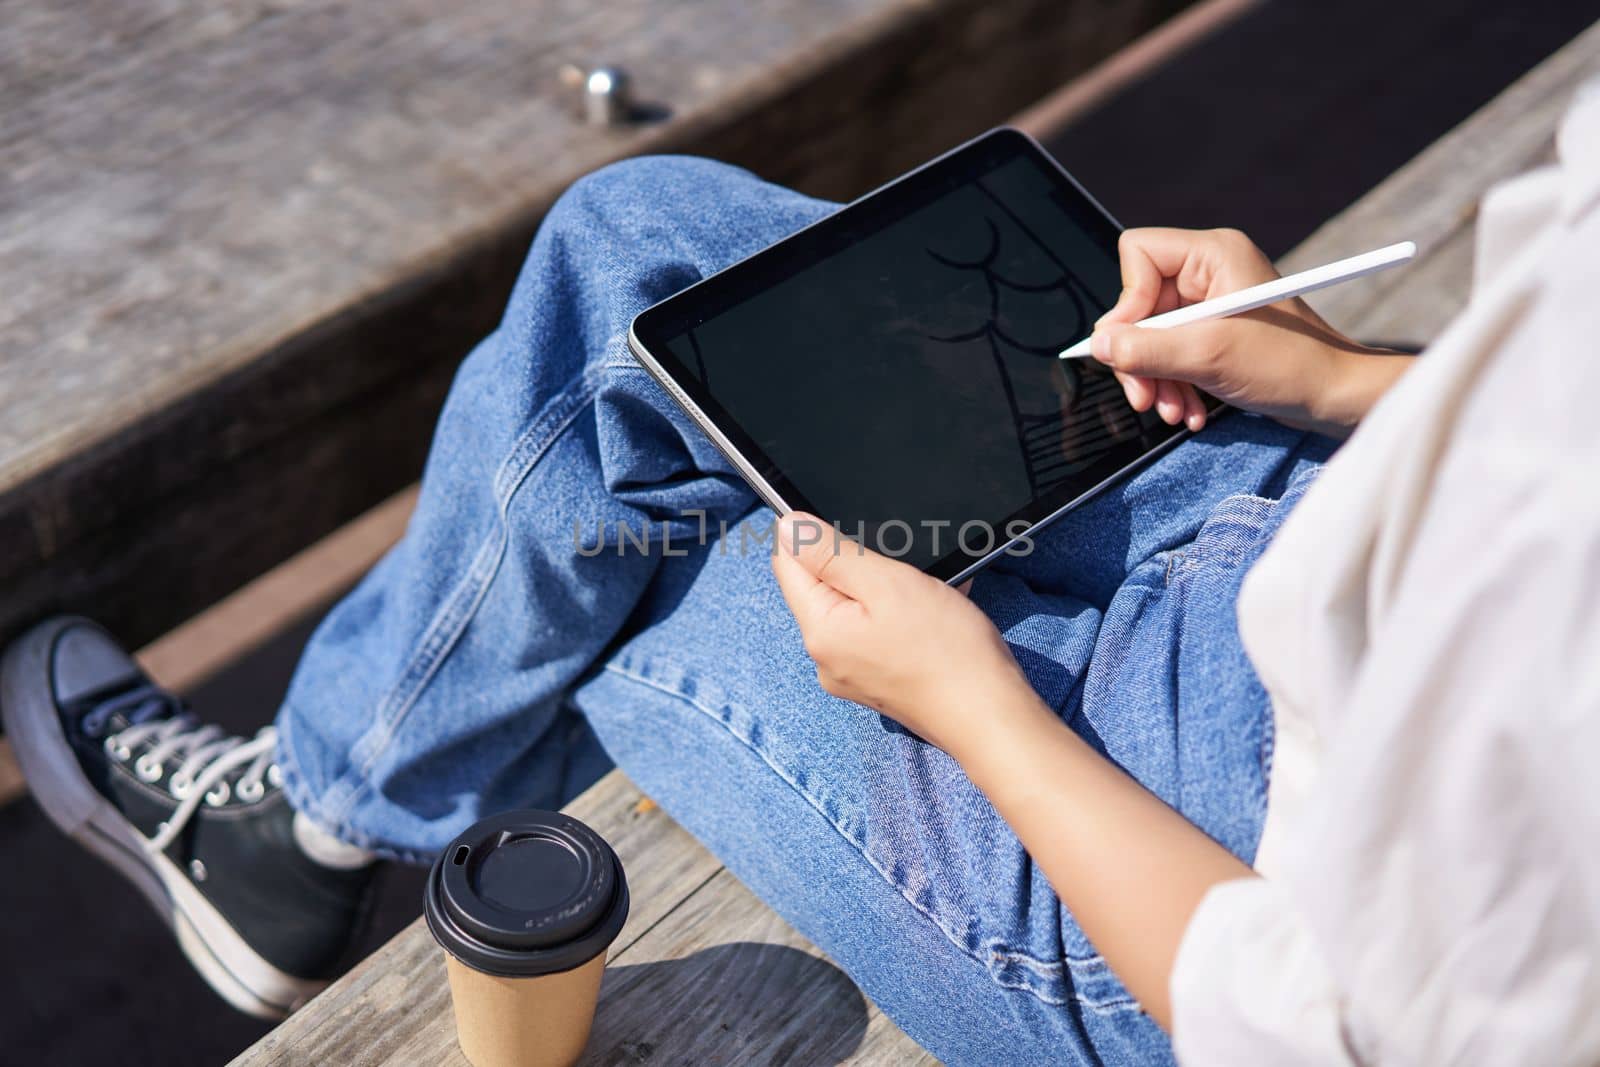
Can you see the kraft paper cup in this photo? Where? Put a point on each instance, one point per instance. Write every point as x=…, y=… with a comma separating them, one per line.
x=525, y=905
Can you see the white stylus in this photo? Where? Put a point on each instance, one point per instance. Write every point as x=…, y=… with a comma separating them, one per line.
x=1271, y=292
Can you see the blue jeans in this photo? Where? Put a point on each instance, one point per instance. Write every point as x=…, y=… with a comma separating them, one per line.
x=494, y=659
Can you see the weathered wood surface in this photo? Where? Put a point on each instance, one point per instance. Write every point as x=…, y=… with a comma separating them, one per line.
x=244, y=243
x=703, y=973
x=1433, y=200
x=12, y=784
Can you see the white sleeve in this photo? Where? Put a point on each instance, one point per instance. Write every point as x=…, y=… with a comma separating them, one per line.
x=1435, y=891
x=1250, y=985
x=1437, y=903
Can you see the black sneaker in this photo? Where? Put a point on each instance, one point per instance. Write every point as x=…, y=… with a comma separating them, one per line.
x=195, y=819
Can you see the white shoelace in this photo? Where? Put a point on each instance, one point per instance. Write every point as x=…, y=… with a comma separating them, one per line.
x=209, y=755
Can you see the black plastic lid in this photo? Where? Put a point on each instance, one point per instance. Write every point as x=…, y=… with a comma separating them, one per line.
x=526, y=893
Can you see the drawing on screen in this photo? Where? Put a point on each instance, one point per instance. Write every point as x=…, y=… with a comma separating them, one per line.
x=1091, y=416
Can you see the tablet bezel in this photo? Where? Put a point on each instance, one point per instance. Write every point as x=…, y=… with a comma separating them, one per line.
x=687, y=308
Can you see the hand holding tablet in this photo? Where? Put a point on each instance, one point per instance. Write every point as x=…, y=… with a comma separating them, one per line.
x=894, y=368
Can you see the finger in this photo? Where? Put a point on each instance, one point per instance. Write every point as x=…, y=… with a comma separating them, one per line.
x=1169, y=402
x=1182, y=352
x=809, y=599
x=1194, y=408
x=1180, y=257
x=834, y=560
x=1170, y=299
x=1128, y=306
x=1185, y=402
x=1142, y=281
x=1141, y=392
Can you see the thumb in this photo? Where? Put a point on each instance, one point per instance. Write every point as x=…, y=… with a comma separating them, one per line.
x=833, y=559
x=1182, y=352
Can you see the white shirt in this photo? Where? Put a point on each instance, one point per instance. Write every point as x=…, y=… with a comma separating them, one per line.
x=1427, y=623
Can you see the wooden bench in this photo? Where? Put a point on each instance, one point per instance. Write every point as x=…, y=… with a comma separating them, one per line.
x=703, y=972
x=246, y=244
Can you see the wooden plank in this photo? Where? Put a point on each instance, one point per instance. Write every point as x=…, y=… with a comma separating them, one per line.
x=12, y=784
x=238, y=625
x=664, y=862
x=703, y=973
x=245, y=244
x=1044, y=119
x=288, y=594
x=394, y=1007
x=1433, y=201
x=1419, y=303
x=724, y=980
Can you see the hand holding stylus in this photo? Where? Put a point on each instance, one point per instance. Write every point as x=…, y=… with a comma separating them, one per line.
x=1258, y=296
x=1281, y=359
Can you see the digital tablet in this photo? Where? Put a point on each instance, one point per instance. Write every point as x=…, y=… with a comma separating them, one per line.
x=893, y=368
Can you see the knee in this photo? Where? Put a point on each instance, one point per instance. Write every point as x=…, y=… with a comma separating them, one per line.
x=642, y=196
x=651, y=177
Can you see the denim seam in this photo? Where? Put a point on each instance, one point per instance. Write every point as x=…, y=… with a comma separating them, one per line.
x=451, y=620
x=1174, y=562
x=626, y=360
x=1268, y=748
x=297, y=789
x=1038, y=966
x=1249, y=515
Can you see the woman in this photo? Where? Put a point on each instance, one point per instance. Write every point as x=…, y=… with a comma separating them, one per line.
x=1050, y=857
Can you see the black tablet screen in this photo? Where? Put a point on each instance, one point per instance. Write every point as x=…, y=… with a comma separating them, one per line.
x=894, y=368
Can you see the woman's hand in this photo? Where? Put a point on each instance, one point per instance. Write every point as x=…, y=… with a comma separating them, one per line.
x=1130, y=869
x=1283, y=360
x=886, y=635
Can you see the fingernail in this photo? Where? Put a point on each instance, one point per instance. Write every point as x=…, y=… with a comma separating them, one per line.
x=1100, y=345
x=786, y=533
x=798, y=529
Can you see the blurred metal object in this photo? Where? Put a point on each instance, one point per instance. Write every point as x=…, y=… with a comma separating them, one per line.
x=606, y=94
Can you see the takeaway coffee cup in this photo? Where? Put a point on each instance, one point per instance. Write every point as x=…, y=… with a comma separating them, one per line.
x=525, y=905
